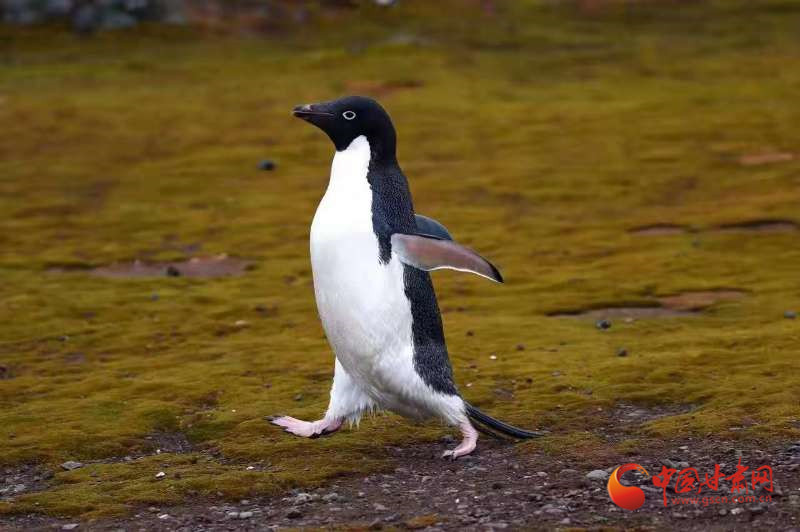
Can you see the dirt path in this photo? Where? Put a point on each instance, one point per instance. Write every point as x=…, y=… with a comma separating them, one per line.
x=497, y=488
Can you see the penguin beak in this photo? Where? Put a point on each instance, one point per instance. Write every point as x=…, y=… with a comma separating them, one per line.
x=313, y=113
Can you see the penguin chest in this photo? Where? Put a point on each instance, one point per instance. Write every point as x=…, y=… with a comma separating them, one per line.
x=361, y=301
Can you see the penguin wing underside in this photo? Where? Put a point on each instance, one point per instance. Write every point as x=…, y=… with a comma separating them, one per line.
x=431, y=253
x=429, y=226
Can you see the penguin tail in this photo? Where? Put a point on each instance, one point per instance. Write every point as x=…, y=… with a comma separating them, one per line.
x=487, y=421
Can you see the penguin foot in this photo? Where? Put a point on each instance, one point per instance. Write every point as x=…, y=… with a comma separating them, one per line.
x=306, y=429
x=468, y=443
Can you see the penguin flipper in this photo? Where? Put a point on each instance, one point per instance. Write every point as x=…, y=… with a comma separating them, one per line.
x=429, y=226
x=430, y=253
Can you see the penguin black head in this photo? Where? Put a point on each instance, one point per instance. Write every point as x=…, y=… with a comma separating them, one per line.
x=348, y=118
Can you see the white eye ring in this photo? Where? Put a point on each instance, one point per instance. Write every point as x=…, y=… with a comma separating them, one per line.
x=349, y=115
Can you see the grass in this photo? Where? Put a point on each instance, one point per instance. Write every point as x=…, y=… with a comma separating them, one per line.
x=539, y=136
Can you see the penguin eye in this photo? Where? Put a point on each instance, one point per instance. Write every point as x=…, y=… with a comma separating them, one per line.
x=349, y=115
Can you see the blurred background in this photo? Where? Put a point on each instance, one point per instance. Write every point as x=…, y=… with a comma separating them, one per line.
x=633, y=168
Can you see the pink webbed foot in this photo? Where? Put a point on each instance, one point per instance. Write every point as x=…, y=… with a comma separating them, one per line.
x=306, y=429
x=468, y=443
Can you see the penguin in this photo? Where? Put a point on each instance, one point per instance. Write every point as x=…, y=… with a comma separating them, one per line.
x=371, y=255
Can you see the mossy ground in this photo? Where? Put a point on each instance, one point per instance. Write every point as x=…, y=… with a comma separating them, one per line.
x=538, y=135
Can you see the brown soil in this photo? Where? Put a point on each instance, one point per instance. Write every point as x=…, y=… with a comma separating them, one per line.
x=219, y=266
x=677, y=305
x=659, y=229
x=761, y=226
x=758, y=159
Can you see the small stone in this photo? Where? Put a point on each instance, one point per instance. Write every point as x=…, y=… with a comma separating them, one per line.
x=294, y=513
x=497, y=486
x=154, y=297
x=790, y=315
x=245, y=515
x=69, y=465
x=69, y=526
x=603, y=324
x=736, y=511
x=556, y=374
x=565, y=521
x=172, y=271
x=160, y=475
x=622, y=352
x=266, y=165
x=302, y=498
x=723, y=511
x=298, y=397
x=470, y=333
x=163, y=516
x=379, y=507
x=331, y=497
x=492, y=357
x=597, y=474
x=520, y=347
x=233, y=515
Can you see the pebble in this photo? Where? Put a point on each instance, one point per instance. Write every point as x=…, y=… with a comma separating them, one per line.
x=302, y=498
x=790, y=314
x=172, y=271
x=245, y=515
x=622, y=352
x=294, y=513
x=266, y=165
x=163, y=516
x=603, y=324
x=736, y=511
x=331, y=497
x=379, y=507
x=160, y=475
x=69, y=465
x=69, y=526
x=597, y=474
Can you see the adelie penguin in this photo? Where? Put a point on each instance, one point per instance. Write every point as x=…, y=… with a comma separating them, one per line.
x=370, y=257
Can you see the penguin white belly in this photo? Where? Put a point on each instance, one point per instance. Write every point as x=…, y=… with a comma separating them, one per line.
x=362, y=302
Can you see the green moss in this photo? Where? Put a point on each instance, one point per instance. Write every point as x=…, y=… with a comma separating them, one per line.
x=538, y=137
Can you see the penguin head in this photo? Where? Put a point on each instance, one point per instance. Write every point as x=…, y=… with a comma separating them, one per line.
x=346, y=119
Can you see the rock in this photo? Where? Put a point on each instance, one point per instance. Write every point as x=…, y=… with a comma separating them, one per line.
x=622, y=352
x=379, y=507
x=603, y=324
x=294, y=513
x=736, y=511
x=69, y=465
x=69, y=526
x=85, y=19
x=520, y=347
x=597, y=474
x=790, y=314
x=331, y=497
x=266, y=165
x=298, y=397
x=160, y=475
x=245, y=515
x=301, y=498
x=172, y=271
x=163, y=516
x=723, y=511
x=113, y=19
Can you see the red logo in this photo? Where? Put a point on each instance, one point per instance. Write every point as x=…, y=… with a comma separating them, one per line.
x=628, y=497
